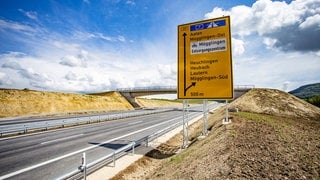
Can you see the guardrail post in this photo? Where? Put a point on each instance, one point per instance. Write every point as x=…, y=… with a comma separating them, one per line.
x=147, y=141
x=114, y=159
x=84, y=165
x=226, y=120
x=25, y=129
x=133, y=144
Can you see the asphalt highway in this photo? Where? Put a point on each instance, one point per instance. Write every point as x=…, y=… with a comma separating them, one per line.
x=97, y=140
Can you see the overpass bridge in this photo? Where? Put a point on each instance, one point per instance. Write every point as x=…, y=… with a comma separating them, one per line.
x=131, y=93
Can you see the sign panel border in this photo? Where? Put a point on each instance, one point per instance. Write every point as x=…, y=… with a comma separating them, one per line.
x=203, y=25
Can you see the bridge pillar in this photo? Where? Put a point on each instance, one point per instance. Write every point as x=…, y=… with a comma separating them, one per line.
x=131, y=99
x=239, y=92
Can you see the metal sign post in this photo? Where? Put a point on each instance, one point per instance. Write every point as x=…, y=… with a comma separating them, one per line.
x=185, y=123
x=205, y=117
x=226, y=120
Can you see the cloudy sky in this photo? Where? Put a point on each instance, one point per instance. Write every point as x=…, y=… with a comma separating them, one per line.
x=100, y=45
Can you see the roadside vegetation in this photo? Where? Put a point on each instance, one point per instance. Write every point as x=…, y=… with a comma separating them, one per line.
x=14, y=102
x=274, y=135
x=315, y=100
x=26, y=102
x=310, y=93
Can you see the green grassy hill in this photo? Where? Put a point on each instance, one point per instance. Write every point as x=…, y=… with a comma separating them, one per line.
x=307, y=91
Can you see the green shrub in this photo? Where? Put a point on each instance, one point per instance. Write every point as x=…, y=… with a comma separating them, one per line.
x=315, y=100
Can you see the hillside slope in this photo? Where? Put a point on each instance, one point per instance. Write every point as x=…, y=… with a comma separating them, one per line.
x=307, y=91
x=15, y=102
x=274, y=136
x=275, y=102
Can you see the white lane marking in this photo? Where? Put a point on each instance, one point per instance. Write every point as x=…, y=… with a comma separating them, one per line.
x=133, y=123
x=79, y=151
x=61, y=139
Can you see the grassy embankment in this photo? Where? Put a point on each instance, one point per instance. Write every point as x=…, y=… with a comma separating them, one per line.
x=28, y=102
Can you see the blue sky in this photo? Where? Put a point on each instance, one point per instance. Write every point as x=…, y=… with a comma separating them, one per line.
x=100, y=45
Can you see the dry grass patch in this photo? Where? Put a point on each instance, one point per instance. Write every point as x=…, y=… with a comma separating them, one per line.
x=28, y=102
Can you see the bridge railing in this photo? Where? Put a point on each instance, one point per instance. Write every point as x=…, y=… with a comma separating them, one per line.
x=151, y=88
x=171, y=88
x=244, y=86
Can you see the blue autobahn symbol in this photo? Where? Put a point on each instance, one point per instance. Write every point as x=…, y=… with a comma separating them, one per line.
x=208, y=25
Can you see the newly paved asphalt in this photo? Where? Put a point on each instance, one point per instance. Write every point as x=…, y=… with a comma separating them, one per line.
x=21, y=152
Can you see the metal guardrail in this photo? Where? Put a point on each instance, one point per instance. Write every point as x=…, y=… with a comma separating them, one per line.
x=45, y=125
x=84, y=166
x=111, y=156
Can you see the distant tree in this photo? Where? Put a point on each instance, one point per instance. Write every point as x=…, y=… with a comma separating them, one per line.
x=315, y=100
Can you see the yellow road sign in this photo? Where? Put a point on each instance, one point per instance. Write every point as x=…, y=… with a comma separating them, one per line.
x=205, y=60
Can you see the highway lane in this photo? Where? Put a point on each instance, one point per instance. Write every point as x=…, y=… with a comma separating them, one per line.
x=25, y=151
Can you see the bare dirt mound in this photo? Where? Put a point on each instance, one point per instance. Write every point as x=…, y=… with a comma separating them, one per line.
x=274, y=136
x=15, y=102
x=271, y=147
x=275, y=102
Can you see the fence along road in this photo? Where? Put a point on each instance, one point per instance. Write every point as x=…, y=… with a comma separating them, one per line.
x=66, y=146
x=21, y=126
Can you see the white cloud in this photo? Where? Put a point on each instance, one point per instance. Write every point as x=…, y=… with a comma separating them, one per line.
x=285, y=85
x=237, y=46
x=167, y=71
x=15, y=26
x=5, y=80
x=290, y=34
x=65, y=46
x=30, y=14
x=89, y=70
x=273, y=70
x=130, y=2
x=71, y=76
x=311, y=22
x=121, y=38
x=269, y=42
x=11, y=65
x=33, y=76
x=83, y=36
x=80, y=35
x=78, y=60
x=86, y=1
x=274, y=19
